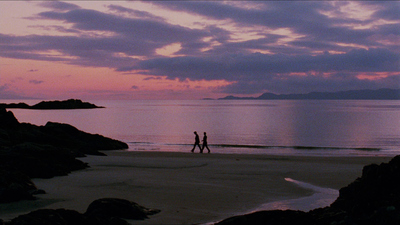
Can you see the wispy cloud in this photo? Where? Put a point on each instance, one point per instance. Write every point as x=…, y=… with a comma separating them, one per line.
x=36, y=81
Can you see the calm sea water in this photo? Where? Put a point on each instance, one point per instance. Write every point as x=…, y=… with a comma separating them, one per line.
x=307, y=127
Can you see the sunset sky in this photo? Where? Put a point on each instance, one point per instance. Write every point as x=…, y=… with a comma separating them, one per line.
x=195, y=49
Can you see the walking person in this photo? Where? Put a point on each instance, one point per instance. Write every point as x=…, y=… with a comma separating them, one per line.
x=205, y=143
x=196, y=142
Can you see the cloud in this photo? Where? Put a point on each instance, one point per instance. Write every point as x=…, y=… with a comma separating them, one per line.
x=152, y=78
x=134, y=87
x=257, y=46
x=59, y=6
x=33, y=70
x=302, y=18
x=135, y=13
x=287, y=84
x=257, y=65
x=35, y=81
x=158, y=33
x=6, y=93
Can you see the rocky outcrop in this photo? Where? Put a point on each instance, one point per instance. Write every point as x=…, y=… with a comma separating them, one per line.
x=274, y=217
x=111, y=211
x=67, y=104
x=372, y=199
x=42, y=152
x=59, y=135
x=15, y=186
x=39, y=160
x=120, y=208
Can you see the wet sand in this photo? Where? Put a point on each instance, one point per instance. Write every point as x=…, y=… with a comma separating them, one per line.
x=192, y=188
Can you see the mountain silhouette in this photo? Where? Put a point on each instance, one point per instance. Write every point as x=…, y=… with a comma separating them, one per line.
x=380, y=94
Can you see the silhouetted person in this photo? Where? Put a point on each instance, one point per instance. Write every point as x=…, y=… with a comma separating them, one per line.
x=196, y=142
x=205, y=143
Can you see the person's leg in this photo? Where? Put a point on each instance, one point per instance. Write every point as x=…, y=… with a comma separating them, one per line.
x=194, y=146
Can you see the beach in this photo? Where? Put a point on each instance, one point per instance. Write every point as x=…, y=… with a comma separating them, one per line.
x=193, y=188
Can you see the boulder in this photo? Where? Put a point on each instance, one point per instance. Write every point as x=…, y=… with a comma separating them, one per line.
x=7, y=119
x=49, y=217
x=39, y=161
x=69, y=136
x=379, y=186
x=273, y=217
x=15, y=186
x=100, y=212
x=115, y=207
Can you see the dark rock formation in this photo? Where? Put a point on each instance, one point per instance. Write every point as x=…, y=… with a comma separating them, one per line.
x=49, y=216
x=20, y=105
x=116, y=211
x=39, y=160
x=15, y=186
x=53, y=134
x=42, y=152
x=372, y=199
x=275, y=217
x=7, y=119
x=120, y=208
x=67, y=104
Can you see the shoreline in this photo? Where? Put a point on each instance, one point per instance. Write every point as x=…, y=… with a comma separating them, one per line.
x=190, y=187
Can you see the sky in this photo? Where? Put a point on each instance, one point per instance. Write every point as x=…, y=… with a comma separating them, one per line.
x=195, y=49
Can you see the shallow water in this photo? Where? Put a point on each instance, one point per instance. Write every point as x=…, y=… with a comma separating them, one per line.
x=322, y=197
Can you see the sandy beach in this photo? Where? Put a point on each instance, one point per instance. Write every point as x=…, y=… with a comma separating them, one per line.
x=192, y=188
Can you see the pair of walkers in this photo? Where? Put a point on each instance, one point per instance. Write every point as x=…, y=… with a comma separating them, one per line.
x=197, y=142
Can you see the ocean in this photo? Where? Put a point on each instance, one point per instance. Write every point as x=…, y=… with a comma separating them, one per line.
x=279, y=127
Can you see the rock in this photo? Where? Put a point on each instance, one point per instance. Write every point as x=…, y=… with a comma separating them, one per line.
x=115, y=207
x=15, y=186
x=50, y=217
x=39, y=161
x=15, y=105
x=46, y=151
x=68, y=136
x=274, y=217
x=377, y=188
x=7, y=119
x=372, y=199
x=67, y=104
x=56, y=134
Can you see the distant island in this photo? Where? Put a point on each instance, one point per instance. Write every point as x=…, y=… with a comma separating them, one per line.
x=67, y=104
x=380, y=94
